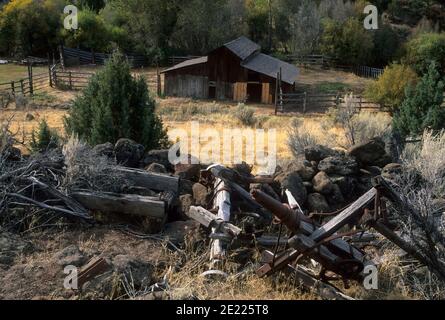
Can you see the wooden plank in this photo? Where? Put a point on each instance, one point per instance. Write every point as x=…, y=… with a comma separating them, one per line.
x=344, y=217
x=121, y=204
x=149, y=180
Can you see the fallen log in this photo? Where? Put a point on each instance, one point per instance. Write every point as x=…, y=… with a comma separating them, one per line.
x=149, y=180
x=119, y=203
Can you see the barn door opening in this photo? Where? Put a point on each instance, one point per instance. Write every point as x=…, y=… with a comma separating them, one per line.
x=254, y=92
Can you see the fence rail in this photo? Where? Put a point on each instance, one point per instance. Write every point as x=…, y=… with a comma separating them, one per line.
x=26, y=86
x=69, y=80
x=79, y=57
x=310, y=102
x=328, y=62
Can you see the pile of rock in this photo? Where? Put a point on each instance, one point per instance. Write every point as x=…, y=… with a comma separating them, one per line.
x=328, y=179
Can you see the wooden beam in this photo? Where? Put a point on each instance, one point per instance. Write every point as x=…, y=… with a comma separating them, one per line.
x=121, y=204
x=222, y=204
x=344, y=217
x=149, y=180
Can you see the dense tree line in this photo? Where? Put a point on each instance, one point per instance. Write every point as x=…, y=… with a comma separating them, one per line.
x=159, y=28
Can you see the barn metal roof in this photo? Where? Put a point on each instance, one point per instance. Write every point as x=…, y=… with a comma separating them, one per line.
x=270, y=66
x=187, y=63
x=242, y=47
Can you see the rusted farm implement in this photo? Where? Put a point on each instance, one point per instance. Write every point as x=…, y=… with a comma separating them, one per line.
x=321, y=243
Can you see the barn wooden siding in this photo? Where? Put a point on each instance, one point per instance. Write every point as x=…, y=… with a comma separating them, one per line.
x=187, y=86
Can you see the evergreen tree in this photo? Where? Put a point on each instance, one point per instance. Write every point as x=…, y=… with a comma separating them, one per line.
x=422, y=108
x=44, y=138
x=116, y=105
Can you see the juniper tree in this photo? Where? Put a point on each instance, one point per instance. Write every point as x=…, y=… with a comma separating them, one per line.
x=116, y=105
x=422, y=108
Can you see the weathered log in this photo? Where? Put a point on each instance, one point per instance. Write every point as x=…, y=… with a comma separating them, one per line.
x=149, y=180
x=209, y=220
x=222, y=204
x=125, y=204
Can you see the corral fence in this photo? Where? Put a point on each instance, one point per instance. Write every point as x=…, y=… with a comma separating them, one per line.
x=328, y=62
x=76, y=57
x=316, y=102
x=26, y=86
x=68, y=80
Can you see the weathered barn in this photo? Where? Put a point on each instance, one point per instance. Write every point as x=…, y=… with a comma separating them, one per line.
x=236, y=71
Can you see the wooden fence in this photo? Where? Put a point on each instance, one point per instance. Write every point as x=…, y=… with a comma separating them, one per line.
x=310, y=102
x=75, y=57
x=328, y=62
x=69, y=80
x=26, y=86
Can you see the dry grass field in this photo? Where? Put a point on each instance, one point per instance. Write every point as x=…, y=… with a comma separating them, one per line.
x=179, y=112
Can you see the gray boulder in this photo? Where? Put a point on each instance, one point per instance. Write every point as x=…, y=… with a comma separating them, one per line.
x=335, y=198
x=185, y=186
x=70, y=255
x=158, y=156
x=316, y=202
x=294, y=184
x=369, y=152
x=134, y=271
x=201, y=195
x=346, y=184
x=186, y=202
x=318, y=153
x=104, y=149
x=340, y=165
x=322, y=183
x=128, y=152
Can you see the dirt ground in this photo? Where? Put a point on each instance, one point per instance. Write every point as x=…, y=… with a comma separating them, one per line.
x=36, y=271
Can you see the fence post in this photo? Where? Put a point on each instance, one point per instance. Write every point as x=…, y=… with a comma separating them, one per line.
x=71, y=81
x=22, y=86
x=31, y=89
x=158, y=79
x=276, y=94
x=304, y=102
x=361, y=101
x=13, y=88
x=49, y=72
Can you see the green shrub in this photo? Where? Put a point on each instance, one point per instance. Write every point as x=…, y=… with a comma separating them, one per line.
x=348, y=42
x=389, y=89
x=245, y=115
x=422, y=108
x=116, y=105
x=44, y=138
x=424, y=49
